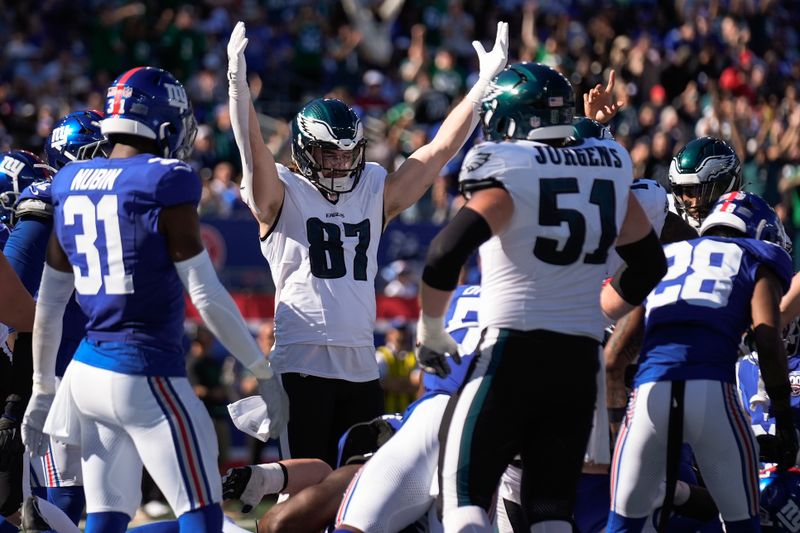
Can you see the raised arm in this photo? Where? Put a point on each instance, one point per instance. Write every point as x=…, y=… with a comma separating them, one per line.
x=262, y=190
x=409, y=182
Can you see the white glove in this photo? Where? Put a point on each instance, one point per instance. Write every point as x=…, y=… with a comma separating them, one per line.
x=433, y=342
x=277, y=402
x=491, y=63
x=237, y=67
x=250, y=484
x=33, y=437
x=760, y=398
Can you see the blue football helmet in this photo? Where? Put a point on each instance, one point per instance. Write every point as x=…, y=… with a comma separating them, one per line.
x=75, y=137
x=18, y=170
x=149, y=102
x=780, y=500
x=749, y=214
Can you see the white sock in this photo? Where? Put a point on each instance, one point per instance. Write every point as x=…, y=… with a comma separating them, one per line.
x=469, y=519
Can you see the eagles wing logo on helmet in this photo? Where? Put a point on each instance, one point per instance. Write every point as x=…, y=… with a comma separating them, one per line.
x=715, y=166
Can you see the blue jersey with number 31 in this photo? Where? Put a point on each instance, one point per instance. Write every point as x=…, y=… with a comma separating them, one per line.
x=106, y=220
x=697, y=314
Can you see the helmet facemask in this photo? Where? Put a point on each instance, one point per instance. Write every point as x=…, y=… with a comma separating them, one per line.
x=702, y=197
x=335, y=170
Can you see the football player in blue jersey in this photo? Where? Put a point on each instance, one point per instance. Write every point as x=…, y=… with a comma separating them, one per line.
x=18, y=169
x=127, y=241
x=393, y=489
x=76, y=136
x=716, y=286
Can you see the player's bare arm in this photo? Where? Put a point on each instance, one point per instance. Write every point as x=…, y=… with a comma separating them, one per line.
x=312, y=508
x=18, y=315
x=772, y=359
x=409, y=182
x=790, y=303
x=620, y=351
x=262, y=190
x=645, y=263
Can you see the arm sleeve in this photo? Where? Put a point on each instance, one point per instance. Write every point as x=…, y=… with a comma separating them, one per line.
x=54, y=293
x=26, y=248
x=220, y=313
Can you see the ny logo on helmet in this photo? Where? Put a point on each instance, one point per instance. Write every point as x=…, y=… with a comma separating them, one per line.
x=11, y=166
x=789, y=516
x=176, y=96
x=59, y=137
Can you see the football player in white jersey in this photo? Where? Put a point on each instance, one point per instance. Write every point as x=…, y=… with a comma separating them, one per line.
x=319, y=225
x=702, y=171
x=545, y=213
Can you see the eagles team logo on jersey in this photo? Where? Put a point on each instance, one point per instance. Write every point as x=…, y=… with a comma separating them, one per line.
x=476, y=161
x=12, y=166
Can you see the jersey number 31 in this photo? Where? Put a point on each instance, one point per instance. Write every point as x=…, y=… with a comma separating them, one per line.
x=116, y=281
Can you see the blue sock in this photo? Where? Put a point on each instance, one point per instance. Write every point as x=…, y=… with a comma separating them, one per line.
x=618, y=523
x=108, y=522
x=167, y=526
x=41, y=492
x=749, y=525
x=71, y=500
x=206, y=519
x=7, y=527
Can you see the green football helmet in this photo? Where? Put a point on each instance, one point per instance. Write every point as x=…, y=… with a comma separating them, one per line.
x=702, y=171
x=328, y=146
x=586, y=128
x=528, y=101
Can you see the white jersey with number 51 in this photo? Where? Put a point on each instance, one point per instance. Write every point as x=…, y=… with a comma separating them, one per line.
x=544, y=270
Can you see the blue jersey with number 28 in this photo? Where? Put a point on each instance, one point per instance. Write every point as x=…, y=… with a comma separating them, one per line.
x=106, y=220
x=697, y=314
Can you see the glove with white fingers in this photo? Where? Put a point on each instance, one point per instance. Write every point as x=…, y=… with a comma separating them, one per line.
x=271, y=391
x=250, y=484
x=433, y=345
x=491, y=63
x=33, y=436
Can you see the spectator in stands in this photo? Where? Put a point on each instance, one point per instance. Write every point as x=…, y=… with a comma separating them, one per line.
x=399, y=375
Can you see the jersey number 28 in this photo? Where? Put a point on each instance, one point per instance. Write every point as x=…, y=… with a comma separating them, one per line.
x=116, y=281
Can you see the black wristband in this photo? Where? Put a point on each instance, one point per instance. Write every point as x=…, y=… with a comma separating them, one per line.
x=645, y=265
x=285, y=477
x=452, y=246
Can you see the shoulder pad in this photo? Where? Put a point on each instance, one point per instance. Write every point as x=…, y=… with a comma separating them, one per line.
x=35, y=200
x=483, y=167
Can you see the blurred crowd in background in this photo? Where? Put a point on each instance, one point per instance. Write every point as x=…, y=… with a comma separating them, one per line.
x=688, y=68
